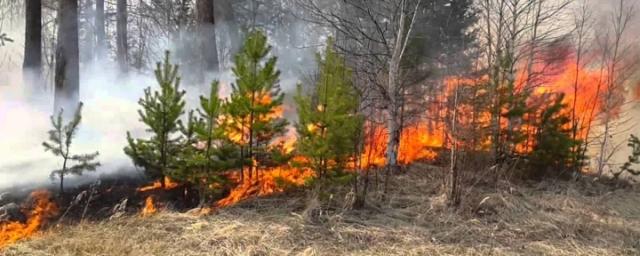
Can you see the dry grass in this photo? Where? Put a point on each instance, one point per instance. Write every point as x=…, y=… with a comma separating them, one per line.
x=552, y=219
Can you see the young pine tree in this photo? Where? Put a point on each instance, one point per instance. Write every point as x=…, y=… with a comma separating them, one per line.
x=161, y=111
x=553, y=152
x=253, y=117
x=634, y=158
x=60, y=139
x=328, y=124
x=206, y=153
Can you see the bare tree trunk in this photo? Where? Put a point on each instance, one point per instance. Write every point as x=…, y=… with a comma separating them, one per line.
x=122, y=39
x=223, y=12
x=100, y=30
x=394, y=90
x=615, y=77
x=578, y=122
x=33, y=43
x=453, y=195
x=393, y=126
x=67, y=73
x=207, y=35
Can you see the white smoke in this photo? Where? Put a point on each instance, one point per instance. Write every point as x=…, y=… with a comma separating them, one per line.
x=110, y=110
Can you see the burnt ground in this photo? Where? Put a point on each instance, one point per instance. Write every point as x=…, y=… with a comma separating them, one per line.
x=98, y=200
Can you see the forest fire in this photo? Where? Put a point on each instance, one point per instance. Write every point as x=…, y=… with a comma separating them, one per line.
x=581, y=85
x=42, y=210
x=582, y=89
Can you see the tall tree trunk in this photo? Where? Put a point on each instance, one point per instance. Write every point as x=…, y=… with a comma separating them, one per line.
x=100, y=30
x=86, y=12
x=207, y=35
x=394, y=90
x=67, y=73
x=33, y=43
x=223, y=12
x=393, y=126
x=453, y=193
x=122, y=39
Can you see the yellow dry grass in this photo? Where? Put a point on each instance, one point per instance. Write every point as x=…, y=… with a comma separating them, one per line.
x=548, y=219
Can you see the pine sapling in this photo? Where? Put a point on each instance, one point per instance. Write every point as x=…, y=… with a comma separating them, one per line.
x=206, y=154
x=60, y=140
x=634, y=158
x=161, y=112
x=253, y=119
x=329, y=125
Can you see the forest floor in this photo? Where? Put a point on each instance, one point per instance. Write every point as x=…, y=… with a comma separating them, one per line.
x=549, y=218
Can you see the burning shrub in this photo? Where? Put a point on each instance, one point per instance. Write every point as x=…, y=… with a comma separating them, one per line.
x=329, y=125
x=161, y=111
x=60, y=139
x=253, y=117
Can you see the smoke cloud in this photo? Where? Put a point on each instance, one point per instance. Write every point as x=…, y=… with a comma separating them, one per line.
x=110, y=110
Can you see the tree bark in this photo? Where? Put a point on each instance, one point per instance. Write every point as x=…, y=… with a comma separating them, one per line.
x=224, y=15
x=100, y=30
x=33, y=43
x=67, y=73
x=207, y=35
x=122, y=39
x=393, y=127
x=394, y=90
x=453, y=193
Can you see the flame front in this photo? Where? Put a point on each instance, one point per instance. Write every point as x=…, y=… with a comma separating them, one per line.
x=267, y=183
x=42, y=211
x=420, y=140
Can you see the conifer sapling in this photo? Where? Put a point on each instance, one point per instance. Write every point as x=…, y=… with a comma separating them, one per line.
x=205, y=154
x=161, y=112
x=329, y=125
x=253, y=117
x=60, y=140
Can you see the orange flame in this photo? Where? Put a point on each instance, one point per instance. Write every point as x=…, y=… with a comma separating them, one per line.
x=168, y=184
x=582, y=84
x=43, y=210
x=268, y=182
x=149, y=207
x=416, y=143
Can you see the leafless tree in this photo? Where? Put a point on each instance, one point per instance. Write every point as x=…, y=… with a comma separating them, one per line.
x=618, y=68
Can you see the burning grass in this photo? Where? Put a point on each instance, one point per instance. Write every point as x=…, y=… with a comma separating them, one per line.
x=550, y=219
x=149, y=207
x=37, y=215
